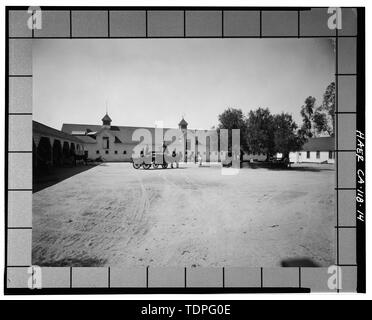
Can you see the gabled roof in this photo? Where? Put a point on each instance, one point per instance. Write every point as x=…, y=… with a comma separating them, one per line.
x=40, y=128
x=183, y=122
x=106, y=118
x=87, y=139
x=122, y=133
x=320, y=144
x=117, y=140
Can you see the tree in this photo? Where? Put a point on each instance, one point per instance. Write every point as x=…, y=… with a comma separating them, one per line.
x=328, y=105
x=320, y=121
x=260, y=132
x=271, y=134
x=307, y=111
x=286, y=138
x=233, y=118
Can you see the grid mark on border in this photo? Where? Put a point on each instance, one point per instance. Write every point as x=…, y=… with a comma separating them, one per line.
x=108, y=277
x=223, y=35
x=337, y=163
x=19, y=151
x=19, y=228
x=222, y=24
x=108, y=23
x=147, y=276
x=70, y=277
x=261, y=273
x=345, y=227
x=70, y=23
x=260, y=23
x=223, y=277
x=147, y=24
x=32, y=30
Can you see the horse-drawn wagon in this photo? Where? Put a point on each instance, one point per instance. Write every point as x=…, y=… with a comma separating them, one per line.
x=155, y=160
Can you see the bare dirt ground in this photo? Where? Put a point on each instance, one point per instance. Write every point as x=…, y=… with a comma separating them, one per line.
x=114, y=215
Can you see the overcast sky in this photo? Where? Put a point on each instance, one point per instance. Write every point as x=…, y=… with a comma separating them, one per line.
x=144, y=81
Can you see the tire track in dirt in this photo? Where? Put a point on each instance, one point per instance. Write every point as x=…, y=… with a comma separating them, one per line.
x=139, y=218
x=195, y=251
x=81, y=234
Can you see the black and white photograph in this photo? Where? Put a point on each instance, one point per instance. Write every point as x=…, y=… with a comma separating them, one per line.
x=184, y=150
x=187, y=153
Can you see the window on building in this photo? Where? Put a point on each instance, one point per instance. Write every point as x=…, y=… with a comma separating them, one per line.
x=307, y=154
x=330, y=155
x=106, y=151
x=106, y=143
x=188, y=144
x=116, y=152
x=125, y=152
x=318, y=154
x=97, y=151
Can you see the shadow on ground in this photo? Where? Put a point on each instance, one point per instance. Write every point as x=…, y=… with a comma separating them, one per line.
x=56, y=175
x=72, y=262
x=304, y=168
x=299, y=262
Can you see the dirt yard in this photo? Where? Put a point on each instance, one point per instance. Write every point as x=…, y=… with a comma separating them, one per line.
x=113, y=215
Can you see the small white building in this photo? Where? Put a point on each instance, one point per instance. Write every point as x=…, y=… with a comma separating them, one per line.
x=315, y=150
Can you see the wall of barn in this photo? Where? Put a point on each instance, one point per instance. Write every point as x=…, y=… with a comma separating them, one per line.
x=55, y=153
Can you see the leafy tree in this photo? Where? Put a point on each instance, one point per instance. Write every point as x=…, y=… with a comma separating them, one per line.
x=307, y=111
x=320, y=121
x=233, y=118
x=286, y=138
x=270, y=134
x=260, y=132
x=329, y=103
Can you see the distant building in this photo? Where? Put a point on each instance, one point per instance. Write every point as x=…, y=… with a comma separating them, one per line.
x=316, y=150
x=117, y=143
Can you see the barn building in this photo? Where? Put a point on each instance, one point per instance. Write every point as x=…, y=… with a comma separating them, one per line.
x=117, y=143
